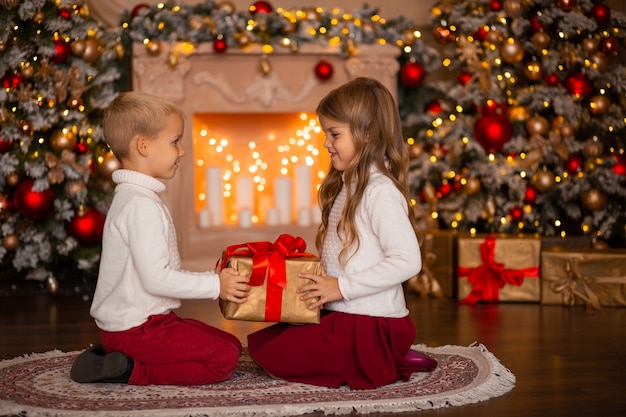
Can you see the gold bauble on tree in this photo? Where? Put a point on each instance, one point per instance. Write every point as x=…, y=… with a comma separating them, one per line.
x=600, y=61
x=533, y=71
x=512, y=8
x=599, y=104
x=567, y=130
x=416, y=150
x=153, y=47
x=493, y=37
x=517, y=113
x=120, y=51
x=92, y=50
x=226, y=6
x=10, y=241
x=593, y=199
x=78, y=47
x=62, y=139
x=27, y=71
x=590, y=45
x=537, y=125
x=39, y=17
x=541, y=40
x=13, y=179
x=511, y=51
x=26, y=127
x=543, y=180
x=592, y=149
x=471, y=186
x=107, y=164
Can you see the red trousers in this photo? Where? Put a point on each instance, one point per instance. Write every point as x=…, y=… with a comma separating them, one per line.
x=169, y=350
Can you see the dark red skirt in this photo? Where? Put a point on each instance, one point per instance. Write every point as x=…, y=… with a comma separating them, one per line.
x=363, y=352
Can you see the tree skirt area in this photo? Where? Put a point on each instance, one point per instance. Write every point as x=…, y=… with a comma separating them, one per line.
x=39, y=385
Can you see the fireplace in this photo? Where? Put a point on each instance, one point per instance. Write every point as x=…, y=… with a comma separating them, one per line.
x=254, y=155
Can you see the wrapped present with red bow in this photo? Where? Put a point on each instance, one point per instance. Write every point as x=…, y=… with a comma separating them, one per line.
x=595, y=278
x=496, y=268
x=273, y=269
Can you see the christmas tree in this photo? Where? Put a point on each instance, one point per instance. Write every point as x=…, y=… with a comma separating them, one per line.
x=59, y=68
x=525, y=130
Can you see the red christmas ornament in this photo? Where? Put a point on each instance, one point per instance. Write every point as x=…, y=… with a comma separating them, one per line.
x=62, y=51
x=516, y=213
x=481, y=34
x=65, y=13
x=412, y=74
x=493, y=107
x=434, y=107
x=324, y=70
x=11, y=80
x=579, y=85
x=574, y=164
x=601, y=12
x=87, y=227
x=553, y=80
x=493, y=131
x=495, y=5
x=531, y=194
x=566, y=5
x=620, y=164
x=536, y=26
x=220, y=45
x=138, y=8
x=610, y=45
x=261, y=7
x=443, y=190
x=464, y=77
x=5, y=144
x=82, y=148
x=34, y=205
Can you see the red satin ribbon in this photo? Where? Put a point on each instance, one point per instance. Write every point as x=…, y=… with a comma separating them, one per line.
x=268, y=260
x=488, y=278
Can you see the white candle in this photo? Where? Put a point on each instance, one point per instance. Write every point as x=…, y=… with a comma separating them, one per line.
x=244, y=193
x=282, y=199
x=214, y=200
x=245, y=218
x=303, y=186
x=273, y=217
x=204, y=219
x=304, y=217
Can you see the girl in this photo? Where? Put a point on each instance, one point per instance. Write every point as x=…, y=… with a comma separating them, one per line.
x=368, y=246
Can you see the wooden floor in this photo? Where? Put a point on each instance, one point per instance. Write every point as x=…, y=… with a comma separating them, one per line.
x=567, y=362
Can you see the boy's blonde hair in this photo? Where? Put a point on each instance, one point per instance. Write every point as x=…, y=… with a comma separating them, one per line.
x=131, y=114
x=370, y=110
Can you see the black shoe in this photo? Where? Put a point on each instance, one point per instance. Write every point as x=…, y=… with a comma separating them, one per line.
x=94, y=365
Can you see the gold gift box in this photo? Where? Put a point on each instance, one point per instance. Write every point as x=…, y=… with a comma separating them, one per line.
x=593, y=277
x=518, y=254
x=292, y=309
x=437, y=277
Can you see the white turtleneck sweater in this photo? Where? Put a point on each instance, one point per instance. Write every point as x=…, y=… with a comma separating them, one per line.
x=140, y=266
x=389, y=253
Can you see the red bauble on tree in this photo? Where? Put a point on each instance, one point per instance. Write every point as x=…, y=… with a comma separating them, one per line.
x=62, y=51
x=324, y=70
x=34, y=205
x=412, y=74
x=579, y=85
x=574, y=164
x=493, y=131
x=87, y=227
x=138, y=8
x=620, y=164
x=601, y=12
x=553, y=79
x=65, y=13
x=11, y=80
x=261, y=7
x=434, y=107
x=5, y=144
x=516, y=213
x=464, y=77
x=220, y=45
x=530, y=195
x=495, y=5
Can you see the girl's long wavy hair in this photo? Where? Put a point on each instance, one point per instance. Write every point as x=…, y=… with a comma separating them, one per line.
x=372, y=114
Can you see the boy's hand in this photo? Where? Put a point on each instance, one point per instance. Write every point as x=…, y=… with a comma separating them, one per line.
x=233, y=287
x=323, y=286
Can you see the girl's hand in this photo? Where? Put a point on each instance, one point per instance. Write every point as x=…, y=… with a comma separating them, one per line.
x=323, y=286
x=233, y=287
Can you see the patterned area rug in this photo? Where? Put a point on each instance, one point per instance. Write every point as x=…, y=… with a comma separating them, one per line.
x=39, y=385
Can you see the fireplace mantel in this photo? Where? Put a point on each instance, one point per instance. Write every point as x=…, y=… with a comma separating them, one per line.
x=202, y=81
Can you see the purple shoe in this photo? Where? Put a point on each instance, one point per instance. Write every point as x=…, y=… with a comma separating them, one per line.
x=422, y=362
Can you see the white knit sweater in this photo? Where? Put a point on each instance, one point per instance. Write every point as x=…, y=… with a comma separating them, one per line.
x=140, y=266
x=388, y=255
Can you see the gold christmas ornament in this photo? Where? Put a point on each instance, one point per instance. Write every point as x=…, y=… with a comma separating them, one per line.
x=92, y=50
x=590, y=45
x=537, y=125
x=27, y=71
x=511, y=51
x=120, y=51
x=512, y=8
x=153, y=47
x=62, y=139
x=472, y=186
x=226, y=7
x=543, y=180
x=243, y=39
x=10, y=241
x=4, y=115
x=416, y=150
x=567, y=130
x=78, y=47
x=593, y=199
x=74, y=103
x=26, y=127
x=52, y=284
x=599, y=104
x=39, y=17
x=533, y=71
x=541, y=40
x=84, y=10
x=517, y=113
x=600, y=61
x=493, y=37
x=592, y=148
x=409, y=36
x=13, y=179
x=108, y=164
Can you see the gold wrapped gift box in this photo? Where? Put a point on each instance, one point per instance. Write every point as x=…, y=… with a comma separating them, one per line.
x=437, y=277
x=498, y=267
x=274, y=282
x=593, y=277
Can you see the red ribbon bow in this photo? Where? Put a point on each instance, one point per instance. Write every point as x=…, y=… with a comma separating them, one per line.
x=488, y=278
x=268, y=260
